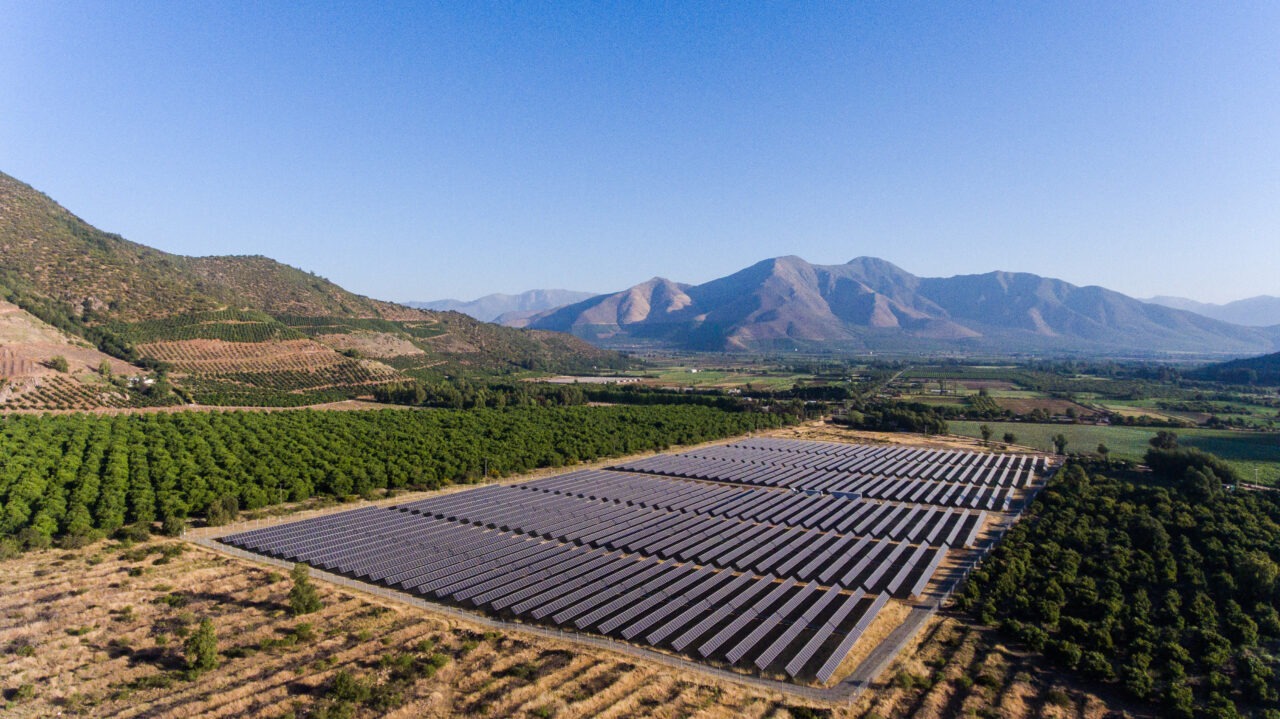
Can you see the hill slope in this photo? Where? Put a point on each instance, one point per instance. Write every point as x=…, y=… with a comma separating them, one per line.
x=786, y=303
x=1264, y=370
x=490, y=307
x=243, y=329
x=1260, y=311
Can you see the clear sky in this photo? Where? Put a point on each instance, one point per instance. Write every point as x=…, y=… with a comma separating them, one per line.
x=420, y=151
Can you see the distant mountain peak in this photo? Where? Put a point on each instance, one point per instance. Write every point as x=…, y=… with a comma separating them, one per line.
x=508, y=309
x=786, y=302
x=1259, y=311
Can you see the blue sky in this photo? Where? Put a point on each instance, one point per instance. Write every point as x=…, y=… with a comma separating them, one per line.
x=415, y=151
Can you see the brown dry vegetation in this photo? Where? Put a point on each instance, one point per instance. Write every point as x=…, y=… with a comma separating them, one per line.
x=105, y=625
x=27, y=346
x=220, y=357
x=957, y=669
x=372, y=344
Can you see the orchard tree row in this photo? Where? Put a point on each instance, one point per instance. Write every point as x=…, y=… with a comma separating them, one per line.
x=74, y=477
x=1166, y=584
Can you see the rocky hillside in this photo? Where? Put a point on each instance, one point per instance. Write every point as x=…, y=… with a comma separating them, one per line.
x=243, y=330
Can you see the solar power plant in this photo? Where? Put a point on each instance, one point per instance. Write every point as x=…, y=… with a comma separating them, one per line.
x=773, y=555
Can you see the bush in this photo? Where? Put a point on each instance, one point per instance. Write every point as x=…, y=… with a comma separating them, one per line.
x=9, y=548
x=303, y=597
x=134, y=533
x=201, y=648
x=346, y=687
x=173, y=526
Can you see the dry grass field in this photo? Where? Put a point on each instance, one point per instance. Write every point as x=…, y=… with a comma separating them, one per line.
x=99, y=632
x=959, y=670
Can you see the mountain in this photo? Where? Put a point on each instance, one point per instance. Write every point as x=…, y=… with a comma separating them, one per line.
x=787, y=303
x=1260, y=311
x=233, y=330
x=490, y=307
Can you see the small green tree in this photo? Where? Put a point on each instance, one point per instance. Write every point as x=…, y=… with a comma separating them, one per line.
x=59, y=363
x=1010, y=438
x=986, y=433
x=1060, y=443
x=104, y=368
x=1104, y=450
x=303, y=598
x=201, y=648
x=174, y=525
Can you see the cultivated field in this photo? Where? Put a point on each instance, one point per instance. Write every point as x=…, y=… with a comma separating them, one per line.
x=1246, y=451
x=27, y=381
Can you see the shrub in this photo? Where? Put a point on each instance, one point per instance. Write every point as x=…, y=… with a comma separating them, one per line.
x=303, y=597
x=201, y=648
x=346, y=687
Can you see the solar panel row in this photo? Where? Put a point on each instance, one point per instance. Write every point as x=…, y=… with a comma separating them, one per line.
x=898, y=489
x=702, y=539
x=832, y=455
x=742, y=618
x=903, y=462
x=821, y=511
x=782, y=574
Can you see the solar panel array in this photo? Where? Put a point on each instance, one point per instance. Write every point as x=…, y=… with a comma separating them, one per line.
x=746, y=571
x=904, y=474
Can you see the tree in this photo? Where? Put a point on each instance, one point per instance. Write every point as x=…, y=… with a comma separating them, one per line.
x=1060, y=443
x=1104, y=450
x=160, y=388
x=986, y=433
x=1164, y=439
x=1010, y=438
x=303, y=598
x=104, y=368
x=201, y=649
x=173, y=526
x=59, y=363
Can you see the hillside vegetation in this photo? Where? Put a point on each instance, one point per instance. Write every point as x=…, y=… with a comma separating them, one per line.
x=1263, y=370
x=134, y=302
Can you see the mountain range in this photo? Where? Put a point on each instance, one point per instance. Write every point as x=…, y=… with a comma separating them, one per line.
x=786, y=303
x=1260, y=311
x=230, y=330
x=507, y=309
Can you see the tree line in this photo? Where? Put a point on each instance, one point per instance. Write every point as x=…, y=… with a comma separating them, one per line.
x=72, y=478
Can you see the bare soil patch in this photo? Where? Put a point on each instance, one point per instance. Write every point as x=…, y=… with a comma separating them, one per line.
x=372, y=344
